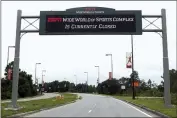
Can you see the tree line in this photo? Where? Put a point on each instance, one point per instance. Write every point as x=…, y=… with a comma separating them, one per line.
x=110, y=86
x=26, y=88
x=66, y=86
x=145, y=88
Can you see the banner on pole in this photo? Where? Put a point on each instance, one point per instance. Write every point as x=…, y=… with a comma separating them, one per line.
x=110, y=75
x=9, y=74
x=128, y=60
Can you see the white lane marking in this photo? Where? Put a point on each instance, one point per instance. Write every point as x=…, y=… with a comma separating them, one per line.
x=90, y=111
x=93, y=107
x=134, y=107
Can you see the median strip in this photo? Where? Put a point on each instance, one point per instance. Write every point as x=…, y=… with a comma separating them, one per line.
x=33, y=106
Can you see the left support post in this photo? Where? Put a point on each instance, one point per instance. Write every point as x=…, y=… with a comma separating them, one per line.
x=16, y=62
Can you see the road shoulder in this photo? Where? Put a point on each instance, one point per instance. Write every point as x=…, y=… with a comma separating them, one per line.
x=153, y=113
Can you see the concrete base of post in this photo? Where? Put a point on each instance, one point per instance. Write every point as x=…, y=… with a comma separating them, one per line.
x=168, y=106
x=11, y=107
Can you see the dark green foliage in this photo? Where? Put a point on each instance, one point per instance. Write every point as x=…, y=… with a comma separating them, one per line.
x=109, y=87
x=66, y=86
x=25, y=87
x=148, y=88
x=173, y=80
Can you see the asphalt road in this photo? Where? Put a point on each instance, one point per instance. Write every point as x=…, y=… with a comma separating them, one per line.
x=95, y=106
x=45, y=96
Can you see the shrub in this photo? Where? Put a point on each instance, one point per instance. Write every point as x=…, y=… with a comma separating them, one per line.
x=174, y=99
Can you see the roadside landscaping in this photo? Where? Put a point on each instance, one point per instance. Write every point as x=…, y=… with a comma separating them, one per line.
x=156, y=104
x=9, y=100
x=38, y=104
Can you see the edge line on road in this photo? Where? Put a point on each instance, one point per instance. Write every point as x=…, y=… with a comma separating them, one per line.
x=134, y=107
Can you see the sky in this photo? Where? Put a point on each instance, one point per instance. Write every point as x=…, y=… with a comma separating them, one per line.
x=65, y=56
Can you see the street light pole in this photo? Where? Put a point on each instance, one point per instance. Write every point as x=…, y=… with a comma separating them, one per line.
x=98, y=74
x=42, y=87
x=8, y=53
x=111, y=63
x=76, y=79
x=43, y=75
x=133, y=88
x=36, y=83
x=87, y=79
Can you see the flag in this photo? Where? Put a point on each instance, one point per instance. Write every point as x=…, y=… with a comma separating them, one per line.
x=128, y=60
x=9, y=74
x=110, y=75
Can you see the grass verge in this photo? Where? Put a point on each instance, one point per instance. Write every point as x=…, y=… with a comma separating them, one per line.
x=156, y=104
x=37, y=104
x=80, y=97
x=9, y=100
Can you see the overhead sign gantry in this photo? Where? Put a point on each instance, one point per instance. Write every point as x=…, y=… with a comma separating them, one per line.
x=91, y=21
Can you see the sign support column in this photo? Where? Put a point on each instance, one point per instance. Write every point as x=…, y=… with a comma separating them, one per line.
x=167, y=96
x=16, y=62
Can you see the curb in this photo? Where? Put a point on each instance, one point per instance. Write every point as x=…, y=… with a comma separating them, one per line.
x=31, y=112
x=147, y=109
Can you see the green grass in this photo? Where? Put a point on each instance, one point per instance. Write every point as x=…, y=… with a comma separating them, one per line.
x=9, y=100
x=152, y=103
x=37, y=104
x=80, y=97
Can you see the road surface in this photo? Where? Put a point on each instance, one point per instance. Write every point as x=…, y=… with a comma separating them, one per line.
x=45, y=96
x=94, y=106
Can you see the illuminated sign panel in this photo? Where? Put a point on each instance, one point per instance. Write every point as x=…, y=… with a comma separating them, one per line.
x=90, y=22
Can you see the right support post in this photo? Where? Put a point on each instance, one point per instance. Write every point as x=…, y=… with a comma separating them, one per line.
x=167, y=95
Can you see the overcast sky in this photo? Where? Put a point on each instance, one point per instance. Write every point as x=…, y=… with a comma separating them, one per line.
x=64, y=56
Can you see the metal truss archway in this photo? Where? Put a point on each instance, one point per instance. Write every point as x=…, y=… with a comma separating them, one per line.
x=161, y=31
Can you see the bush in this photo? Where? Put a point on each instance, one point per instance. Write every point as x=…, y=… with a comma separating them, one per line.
x=174, y=98
x=6, y=95
x=25, y=88
x=151, y=93
x=34, y=90
x=158, y=94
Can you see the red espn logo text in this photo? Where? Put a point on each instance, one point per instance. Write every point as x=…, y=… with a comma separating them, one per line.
x=90, y=9
x=54, y=19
